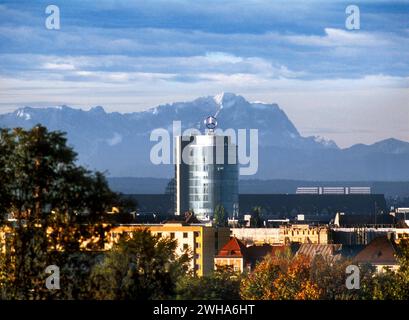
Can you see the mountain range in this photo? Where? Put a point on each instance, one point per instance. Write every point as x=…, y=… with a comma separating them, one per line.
x=119, y=144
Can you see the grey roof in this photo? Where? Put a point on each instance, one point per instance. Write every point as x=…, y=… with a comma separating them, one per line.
x=331, y=252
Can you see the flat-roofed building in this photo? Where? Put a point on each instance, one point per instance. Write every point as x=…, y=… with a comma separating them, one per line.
x=282, y=205
x=333, y=190
x=285, y=234
x=364, y=235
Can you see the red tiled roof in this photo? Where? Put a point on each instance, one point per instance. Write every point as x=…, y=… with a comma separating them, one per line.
x=381, y=251
x=237, y=249
x=233, y=248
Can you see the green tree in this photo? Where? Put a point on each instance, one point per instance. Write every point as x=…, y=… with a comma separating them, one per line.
x=55, y=205
x=141, y=266
x=220, y=216
x=394, y=285
x=256, y=218
x=222, y=284
x=330, y=276
x=76, y=275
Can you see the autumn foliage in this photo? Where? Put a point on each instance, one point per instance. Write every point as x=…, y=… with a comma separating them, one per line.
x=278, y=278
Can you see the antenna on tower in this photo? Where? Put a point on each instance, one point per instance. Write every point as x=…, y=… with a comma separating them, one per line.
x=211, y=121
x=217, y=112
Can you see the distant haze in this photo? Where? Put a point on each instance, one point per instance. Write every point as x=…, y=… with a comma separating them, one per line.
x=120, y=143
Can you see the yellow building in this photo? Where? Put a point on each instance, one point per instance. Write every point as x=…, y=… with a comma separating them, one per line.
x=299, y=233
x=203, y=241
x=304, y=233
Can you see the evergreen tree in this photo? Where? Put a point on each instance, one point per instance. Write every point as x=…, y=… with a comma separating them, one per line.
x=220, y=216
x=256, y=218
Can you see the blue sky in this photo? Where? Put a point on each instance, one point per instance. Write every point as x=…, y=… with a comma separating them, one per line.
x=349, y=86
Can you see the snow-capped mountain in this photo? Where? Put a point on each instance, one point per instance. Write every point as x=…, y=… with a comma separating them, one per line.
x=120, y=144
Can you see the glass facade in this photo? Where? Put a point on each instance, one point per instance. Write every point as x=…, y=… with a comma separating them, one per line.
x=212, y=177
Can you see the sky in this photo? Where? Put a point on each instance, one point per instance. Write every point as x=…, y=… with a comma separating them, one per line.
x=351, y=86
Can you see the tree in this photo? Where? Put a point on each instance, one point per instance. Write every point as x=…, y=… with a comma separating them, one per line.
x=280, y=278
x=141, y=266
x=76, y=275
x=55, y=205
x=222, y=284
x=256, y=220
x=294, y=283
x=220, y=216
x=259, y=283
x=394, y=285
x=330, y=276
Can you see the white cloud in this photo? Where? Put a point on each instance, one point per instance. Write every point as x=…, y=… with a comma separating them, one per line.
x=125, y=68
x=59, y=66
x=340, y=37
x=222, y=57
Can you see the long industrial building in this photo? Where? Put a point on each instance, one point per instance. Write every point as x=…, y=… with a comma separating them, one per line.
x=284, y=205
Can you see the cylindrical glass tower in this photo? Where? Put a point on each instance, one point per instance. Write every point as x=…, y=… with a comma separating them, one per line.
x=206, y=175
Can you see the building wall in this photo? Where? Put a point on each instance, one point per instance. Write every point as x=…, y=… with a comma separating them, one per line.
x=203, y=241
x=236, y=263
x=213, y=240
x=364, y=235
x=381, y=268
x=303, y=233
x=181, y=178
x=282, y=235
x=258, y=235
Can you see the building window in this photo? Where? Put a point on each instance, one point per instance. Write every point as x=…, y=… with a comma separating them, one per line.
x=185, y=246
x=197, y=233
x=197, y=266
x=197, y=245
x=172, y=235
x=185, y=235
